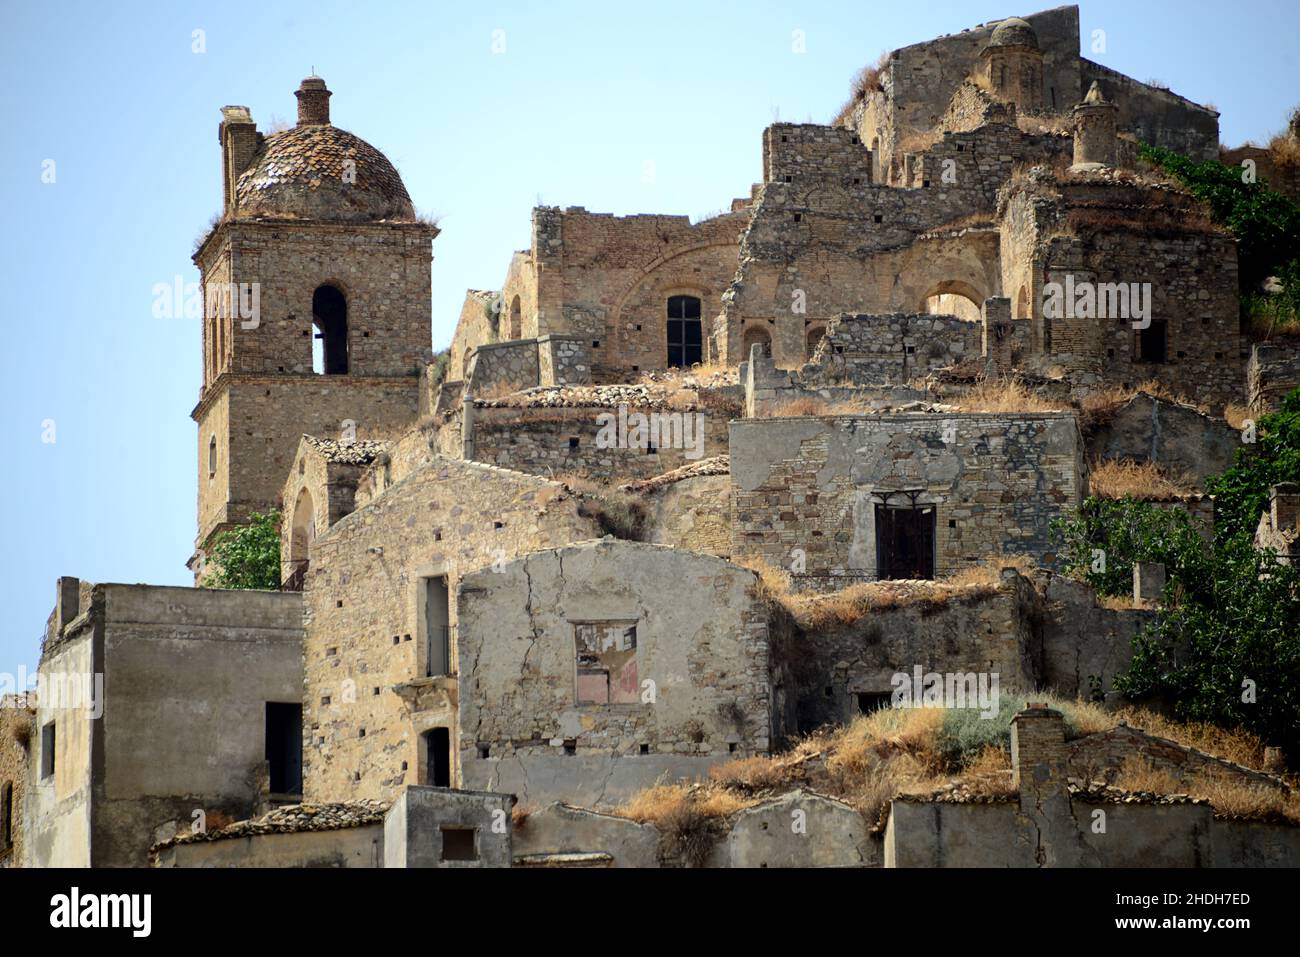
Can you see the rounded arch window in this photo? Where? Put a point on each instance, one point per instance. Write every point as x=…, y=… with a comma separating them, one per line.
x=329, y=314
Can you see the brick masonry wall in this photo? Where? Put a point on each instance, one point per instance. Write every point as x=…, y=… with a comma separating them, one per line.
x=259, y=420
x=812, y=484
x=382, y=270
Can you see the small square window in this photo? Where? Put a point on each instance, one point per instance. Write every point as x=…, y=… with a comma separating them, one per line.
x=459, y=844
x=879, y=218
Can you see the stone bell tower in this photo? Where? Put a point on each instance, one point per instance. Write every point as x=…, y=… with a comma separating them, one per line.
x=316, y=320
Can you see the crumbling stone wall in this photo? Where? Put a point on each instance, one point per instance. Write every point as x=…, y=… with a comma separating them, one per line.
x=1105, y=232
x=1272, y=372
x=1101, y=756
x=813, y=484
x=841, y=671
x=890, y=349
x=17, y=736
x=554, y=441
x=479, y=324
x=700, y=640
x=367, y=697
x=1175, y=436
x=606, y=279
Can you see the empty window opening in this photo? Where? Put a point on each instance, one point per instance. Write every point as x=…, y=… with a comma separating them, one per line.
x=284, y=746
x=459, y=843
x=437, y=626
x=755, y=336
x=6, y=816
x=606, y=662
x=47, y=750
x=516, y=323
x=329, y=353
x=904, y=538
x=685, y=333
x=1152, y=343
x=870, y=701
x=212, y=456
x=437, y=757
x=815, y=335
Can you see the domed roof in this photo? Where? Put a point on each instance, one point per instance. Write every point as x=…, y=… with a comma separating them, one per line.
x=304, y=173
x=1013, y=32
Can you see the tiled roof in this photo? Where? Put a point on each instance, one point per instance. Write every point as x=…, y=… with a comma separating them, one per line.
x=357, y=452
x=293, y=817
x=305, y=173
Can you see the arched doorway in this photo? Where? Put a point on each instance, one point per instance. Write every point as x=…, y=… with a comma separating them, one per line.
x=329, y=313
x=953, y=298
x=301, y=535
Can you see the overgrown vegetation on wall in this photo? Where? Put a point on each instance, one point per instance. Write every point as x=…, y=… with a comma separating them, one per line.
x=1265, y=223
x=1226, y=648
x=247, y=556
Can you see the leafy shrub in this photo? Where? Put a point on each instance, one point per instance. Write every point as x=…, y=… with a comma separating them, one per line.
x=248, y=556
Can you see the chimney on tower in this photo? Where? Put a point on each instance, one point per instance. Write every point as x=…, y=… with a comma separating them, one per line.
x=313, y=102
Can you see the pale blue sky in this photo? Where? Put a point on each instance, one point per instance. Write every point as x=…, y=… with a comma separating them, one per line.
x=583, y=96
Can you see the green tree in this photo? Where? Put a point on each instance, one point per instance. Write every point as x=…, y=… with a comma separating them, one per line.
x=1241, y=492
x=1226, y=645
x=247, y=556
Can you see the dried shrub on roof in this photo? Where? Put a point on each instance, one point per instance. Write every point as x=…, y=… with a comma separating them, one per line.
x=1144, y=481
x=1005, y=395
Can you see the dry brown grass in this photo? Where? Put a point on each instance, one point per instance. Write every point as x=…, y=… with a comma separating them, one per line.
x=690, y=818
x=1285, y=150
x=1116, y=602
x=1230, y=798
x=1144, y=481
x=1236, y=415
x=850, y=605
x=878, y=756
x=804, y=405
x=1005, y=395
x=1100, y=406
x=1232, y=744
x=1044, y=123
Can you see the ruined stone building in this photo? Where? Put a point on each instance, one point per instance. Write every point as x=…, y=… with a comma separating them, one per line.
x=526, y=583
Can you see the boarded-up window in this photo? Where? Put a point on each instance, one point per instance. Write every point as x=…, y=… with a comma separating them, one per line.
x=606, y=652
